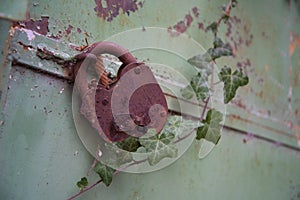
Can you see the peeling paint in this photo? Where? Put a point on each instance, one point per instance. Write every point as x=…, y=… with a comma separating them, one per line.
x=46, y=52
x=29, y=33
x=40, y=26
x=110, y=9
x=184, y=24
x=69, y=29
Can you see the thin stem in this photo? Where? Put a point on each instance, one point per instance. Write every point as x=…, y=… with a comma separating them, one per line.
x=185, y=136
x=204, y=109
x=212, y=76
x=99, y=181
x=201, y=118
x=226, y=12
x=216, y=83
x=92, y=167
x=85, y=190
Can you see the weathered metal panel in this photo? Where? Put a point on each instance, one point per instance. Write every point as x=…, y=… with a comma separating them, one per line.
x=42, y=157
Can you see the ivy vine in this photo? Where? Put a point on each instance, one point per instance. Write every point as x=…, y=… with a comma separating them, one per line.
x=162, y=145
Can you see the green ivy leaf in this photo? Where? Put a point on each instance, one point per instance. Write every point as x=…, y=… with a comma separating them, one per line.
x=220, y=49
x=213, y=27
x=218, y=42
x=201, y=61
x=187, y=92
x=199, y=86
x=173, y=122
x=225, y=17
x=105, y=172
x=179, y=126
x=130, y=144
x=82, y=183
x=119, y=156
x=159, y=147
x=176, y=122
x=211, y=128
x=232, y=81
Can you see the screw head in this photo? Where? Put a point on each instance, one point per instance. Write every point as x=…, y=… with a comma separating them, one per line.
x=163, y=113
x=105, y=102
x=137, y=70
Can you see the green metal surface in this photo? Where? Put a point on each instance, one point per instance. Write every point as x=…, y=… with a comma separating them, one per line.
x=13, y=9
x=41, y=156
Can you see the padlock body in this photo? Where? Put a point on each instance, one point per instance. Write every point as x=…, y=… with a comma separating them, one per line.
x=132, y=105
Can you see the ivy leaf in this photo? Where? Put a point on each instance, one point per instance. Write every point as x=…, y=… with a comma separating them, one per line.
x=211, y=128
x=220, y=49
x=232, y=81
x=201, y=61
x=82, y=183
x=105, y=172
x=179, y=126
x=130, y=144
x=159, y=147
x=119, y=156
x=213, y=27
x=218, y=42
x=199, y=86
x=225, y=17
x=187, y=92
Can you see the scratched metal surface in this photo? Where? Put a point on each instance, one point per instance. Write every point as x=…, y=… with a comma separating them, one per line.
x=42, y=157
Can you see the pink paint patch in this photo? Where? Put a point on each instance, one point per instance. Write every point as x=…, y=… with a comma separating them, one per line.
x=180, y=27
x=195, y=11
x=189, y=20
x=69, y=29
x=109, y=9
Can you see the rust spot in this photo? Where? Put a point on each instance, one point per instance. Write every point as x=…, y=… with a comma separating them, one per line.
x=78, y=30
x=248, y=137
x=195, y=11
x=294, y=43
x=109, y=9
x=40, y=26
x=57, y=36
x=86, y=34
x=260, y=94
x=298, y=138
x=25, y=47
x=236, y=38
x=239, y=103
x=201, y=26
x=267, y=67
x=244, y=64
x=69, y=29
x=180, y=27
x=184, y=24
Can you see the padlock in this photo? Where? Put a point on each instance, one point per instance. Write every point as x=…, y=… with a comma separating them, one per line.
x=133, y=103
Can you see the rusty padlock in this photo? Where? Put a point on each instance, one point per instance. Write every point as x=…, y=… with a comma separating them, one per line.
x=133, y=103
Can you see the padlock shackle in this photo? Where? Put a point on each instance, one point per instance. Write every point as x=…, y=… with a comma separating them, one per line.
x=114, y=49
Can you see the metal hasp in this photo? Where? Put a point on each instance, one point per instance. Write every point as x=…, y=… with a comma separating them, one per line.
x=133, y=102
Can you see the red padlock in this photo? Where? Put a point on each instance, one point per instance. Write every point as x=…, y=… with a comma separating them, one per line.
x=133, y=103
